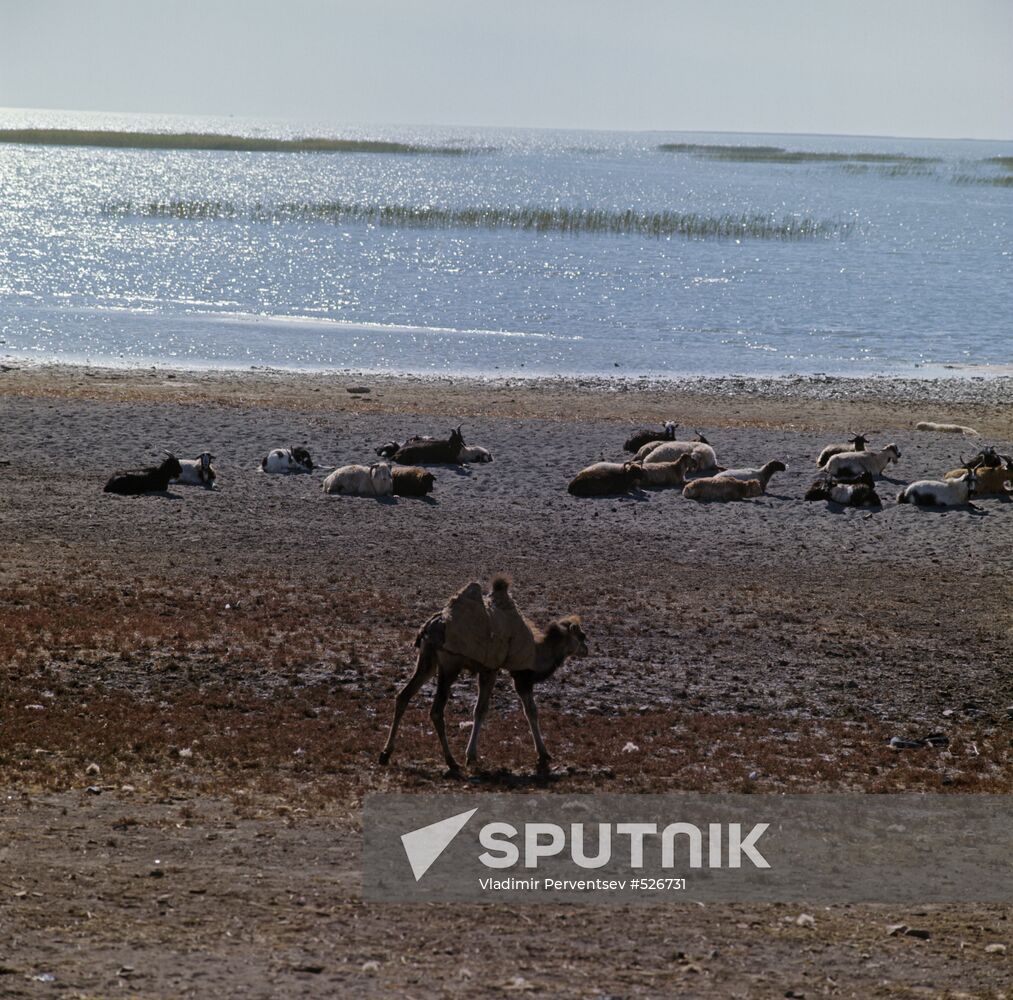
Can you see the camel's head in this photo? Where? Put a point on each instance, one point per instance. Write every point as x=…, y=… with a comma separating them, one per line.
x=569, y=635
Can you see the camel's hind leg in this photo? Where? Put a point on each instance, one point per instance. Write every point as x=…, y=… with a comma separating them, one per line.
x=444, y=682
x=425, y=667
x=486, y=682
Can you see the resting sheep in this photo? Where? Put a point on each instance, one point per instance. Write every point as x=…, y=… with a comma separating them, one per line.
x=934, y=493
x=647, y=435
x=762, y=475
x=704, y=458
x=713, y=488
x=858, y=494
x=857, y=443
x=927, y=425
x=851, y=465
x=198, y=471
x=155, y=479
x=287, y=461
x=361, y=481
x=606, y=479
x=412, y=481
x=485, y=634
x=667, y=473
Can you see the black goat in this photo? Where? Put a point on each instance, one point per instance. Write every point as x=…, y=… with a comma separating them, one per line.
x=153, y=480
x=423, y=451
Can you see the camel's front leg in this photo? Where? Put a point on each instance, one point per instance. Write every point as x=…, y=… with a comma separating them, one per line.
x=527, y=697
x=444, y=682
x=486, y=683
x=424, y=669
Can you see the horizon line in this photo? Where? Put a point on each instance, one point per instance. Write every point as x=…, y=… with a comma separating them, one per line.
x=514, y=128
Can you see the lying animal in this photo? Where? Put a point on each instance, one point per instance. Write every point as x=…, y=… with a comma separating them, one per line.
x=704, y=458
x=411, y=481
x=432, y=451
x=361, y=481
x=648, y=435
x=287, y=461
x=198, y=471
x=857, y=494
x=851, y=465
x=483, y=634
x=606, y=479
x=663, y=474
x=155, y=479
x=993, y=471
x=857, y=443
x=713, y=488
x=934, y=493
x=762, y=475
x=927, y=425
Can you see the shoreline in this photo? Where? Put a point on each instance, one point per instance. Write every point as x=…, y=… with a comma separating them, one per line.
x=801, y=402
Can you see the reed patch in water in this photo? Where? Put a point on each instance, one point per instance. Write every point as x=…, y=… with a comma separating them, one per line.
x=573, y=221
x=216, y=143
x=775, y=154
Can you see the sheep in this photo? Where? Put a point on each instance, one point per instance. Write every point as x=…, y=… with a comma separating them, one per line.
x=712, y=488
x=762, y=475
x=472, y=453
x=361, y=481
x=927, y=425
x=412, y=481
x=646, y=435
x=857, y=443
x=423, y=451
x=934, y=493
x=703, y=455
x=858, y=494
x=198, y=471
x=667, y=473
x=155, y=479
x=606, y=479
x=851, y=465
x=287, y=461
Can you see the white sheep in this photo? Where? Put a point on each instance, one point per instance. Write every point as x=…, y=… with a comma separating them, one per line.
x=198, y=471
x=852, y=464
x=361, y=481
x=928, y=425
x=762, y=475
x=704, y=458
x=287, y=461
x=936, y=493
x=712, y=488
x=472, y=453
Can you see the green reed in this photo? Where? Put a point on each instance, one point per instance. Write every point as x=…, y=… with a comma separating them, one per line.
x=573, y=221
x=209, y=141
x=775, y=154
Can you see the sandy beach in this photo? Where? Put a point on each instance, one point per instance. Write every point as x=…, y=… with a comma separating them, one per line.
x=205, y=677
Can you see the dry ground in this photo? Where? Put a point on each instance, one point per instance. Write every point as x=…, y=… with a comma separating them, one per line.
x=227, y=662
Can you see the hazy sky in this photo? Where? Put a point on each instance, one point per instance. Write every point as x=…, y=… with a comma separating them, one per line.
x=892, y=67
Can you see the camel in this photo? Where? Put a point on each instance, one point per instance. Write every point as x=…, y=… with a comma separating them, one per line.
x=483, y=635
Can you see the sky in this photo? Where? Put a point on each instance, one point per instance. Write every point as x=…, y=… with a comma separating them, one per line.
x=863, y=67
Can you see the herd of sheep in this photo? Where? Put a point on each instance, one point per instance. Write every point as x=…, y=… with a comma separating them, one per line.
x=660, y=460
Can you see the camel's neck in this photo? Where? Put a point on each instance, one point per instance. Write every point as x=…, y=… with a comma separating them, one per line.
x=549, y=657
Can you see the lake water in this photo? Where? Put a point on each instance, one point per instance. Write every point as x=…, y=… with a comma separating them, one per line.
x=533, y=252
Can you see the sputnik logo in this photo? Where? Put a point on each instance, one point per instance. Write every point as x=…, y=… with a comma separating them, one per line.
x=424, y=845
